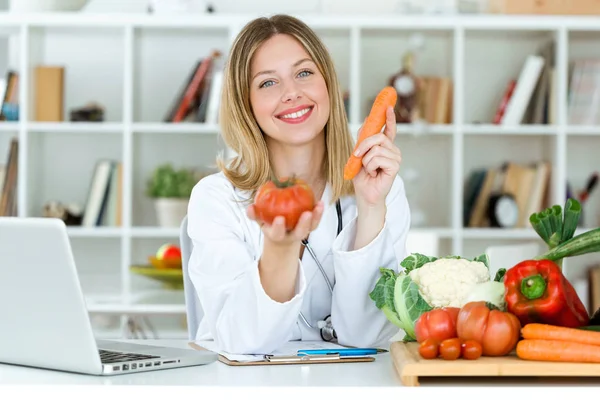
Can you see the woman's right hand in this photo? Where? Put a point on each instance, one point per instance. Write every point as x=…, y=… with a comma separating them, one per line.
x=276, y=232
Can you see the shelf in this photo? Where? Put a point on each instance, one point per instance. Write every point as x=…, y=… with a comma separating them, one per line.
x=137, y=309
x=168, y=128
x=154, y=232
x=135, y=65
x=498, y=233
x=583, y=130
x=9, y=126
x=74, y=127
x=466, y=21
x=94, y=232
x=491, y=129
x=444, y=233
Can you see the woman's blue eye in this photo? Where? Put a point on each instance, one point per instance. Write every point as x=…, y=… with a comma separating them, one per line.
x=305, y=73
x=264, y=84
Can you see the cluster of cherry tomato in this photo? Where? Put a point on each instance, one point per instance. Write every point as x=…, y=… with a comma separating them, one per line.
x=472, y=331
x=450, y=349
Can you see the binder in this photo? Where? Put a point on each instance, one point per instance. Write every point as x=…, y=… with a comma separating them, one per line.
x=290, y=359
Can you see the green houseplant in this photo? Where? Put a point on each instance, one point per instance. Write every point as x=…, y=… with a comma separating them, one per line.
x=171, y=189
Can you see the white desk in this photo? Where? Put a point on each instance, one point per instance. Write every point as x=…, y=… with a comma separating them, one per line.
x=379, y=373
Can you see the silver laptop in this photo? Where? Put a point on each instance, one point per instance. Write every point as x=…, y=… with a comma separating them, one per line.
x=44, y=320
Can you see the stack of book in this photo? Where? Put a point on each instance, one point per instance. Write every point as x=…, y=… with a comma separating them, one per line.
x=103, y=206
x=530, y=98
x=527, y=184
x=199, y=97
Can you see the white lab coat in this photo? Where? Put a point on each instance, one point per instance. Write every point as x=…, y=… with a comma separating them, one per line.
x=241, y=318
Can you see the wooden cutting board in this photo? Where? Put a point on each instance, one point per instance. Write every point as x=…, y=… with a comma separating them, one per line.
x=410, y=366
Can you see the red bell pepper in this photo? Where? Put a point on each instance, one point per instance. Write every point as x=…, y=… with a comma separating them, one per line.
x=537, y=291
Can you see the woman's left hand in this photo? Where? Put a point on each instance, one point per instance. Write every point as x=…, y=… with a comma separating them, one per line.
x=380, y=165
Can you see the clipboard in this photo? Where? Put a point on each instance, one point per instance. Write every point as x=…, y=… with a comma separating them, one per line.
x=291, y=359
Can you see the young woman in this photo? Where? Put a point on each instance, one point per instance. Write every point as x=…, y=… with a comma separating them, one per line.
x=259, y=286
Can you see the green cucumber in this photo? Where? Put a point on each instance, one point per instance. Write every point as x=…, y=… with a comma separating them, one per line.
x=595, y=328
x=587, y=242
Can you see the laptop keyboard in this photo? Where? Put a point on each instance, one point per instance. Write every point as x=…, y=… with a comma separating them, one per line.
x=108, y=357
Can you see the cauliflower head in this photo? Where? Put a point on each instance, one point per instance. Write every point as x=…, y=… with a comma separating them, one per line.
x=447, y=282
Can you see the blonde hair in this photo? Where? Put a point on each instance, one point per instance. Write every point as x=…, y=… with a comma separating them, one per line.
x=251, y=167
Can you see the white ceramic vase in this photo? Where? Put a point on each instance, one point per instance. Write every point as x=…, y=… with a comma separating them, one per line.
x=170, y=211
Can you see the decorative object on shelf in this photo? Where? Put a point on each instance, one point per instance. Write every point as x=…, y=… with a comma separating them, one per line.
x=171, y=190
x=91, y=112
x=171, y=278
x=71, y=213
x=32, y=6
x=408, y=86
x=503, y=211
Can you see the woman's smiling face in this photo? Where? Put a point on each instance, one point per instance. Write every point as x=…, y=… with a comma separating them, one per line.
x=288, y=94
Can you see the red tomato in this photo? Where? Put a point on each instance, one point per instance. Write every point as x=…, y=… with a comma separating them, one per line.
x=288, y=198
x=497, y=331
x=429, y=349
x=471, y=350
x=450, y=349
x=438, y=324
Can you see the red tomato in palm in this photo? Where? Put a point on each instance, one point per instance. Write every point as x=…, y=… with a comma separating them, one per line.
x=288, y=198
x=438, y=324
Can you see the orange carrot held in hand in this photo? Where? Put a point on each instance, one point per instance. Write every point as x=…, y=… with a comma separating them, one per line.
x=557, y=350
x=372, y=126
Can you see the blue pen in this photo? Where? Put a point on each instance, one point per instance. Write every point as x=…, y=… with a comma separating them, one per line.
x=341, y=352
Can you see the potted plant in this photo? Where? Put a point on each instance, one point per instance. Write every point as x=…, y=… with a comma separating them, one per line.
x=171, y=189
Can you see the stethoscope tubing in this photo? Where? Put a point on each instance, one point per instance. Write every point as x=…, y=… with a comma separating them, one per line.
x=314, y=257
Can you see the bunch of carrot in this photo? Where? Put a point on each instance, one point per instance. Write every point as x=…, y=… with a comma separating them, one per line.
x=543, y=342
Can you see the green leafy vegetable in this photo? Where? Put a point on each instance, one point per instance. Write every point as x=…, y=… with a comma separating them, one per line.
x=383, y=296
x=500, y=275
x=399, y=297
x=415, y=260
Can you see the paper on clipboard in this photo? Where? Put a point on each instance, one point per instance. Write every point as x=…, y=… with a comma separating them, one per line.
x=290, y=348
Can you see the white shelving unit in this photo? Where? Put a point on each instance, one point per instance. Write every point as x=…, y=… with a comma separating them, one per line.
x=135, y=64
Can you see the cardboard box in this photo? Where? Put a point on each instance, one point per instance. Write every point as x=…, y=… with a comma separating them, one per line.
x=545, y=7
x=49, y=93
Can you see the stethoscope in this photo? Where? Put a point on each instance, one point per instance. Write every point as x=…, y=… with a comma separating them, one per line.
x=325, y=327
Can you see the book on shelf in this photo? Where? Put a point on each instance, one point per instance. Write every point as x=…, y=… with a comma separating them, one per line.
x=530, y=98
x=436, y=102
x=594, y=288
x=584, y=92
x=9, y=97
x=9, y=181
x=527, y=183
x=49, y=93
x=103, y=206
x=198, y=98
